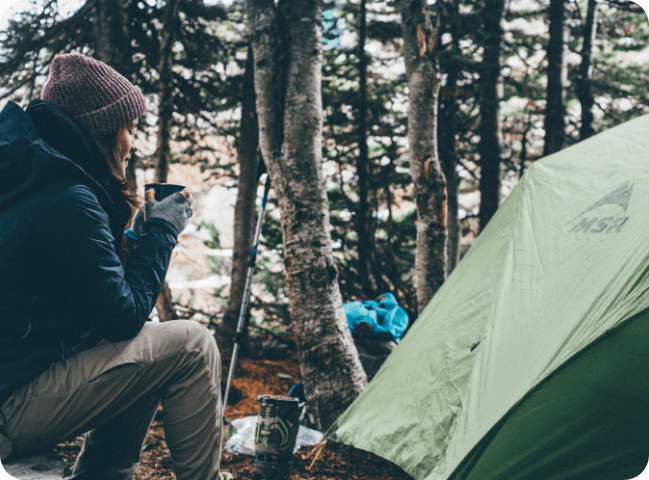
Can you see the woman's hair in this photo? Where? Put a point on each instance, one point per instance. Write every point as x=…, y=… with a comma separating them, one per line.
x=118, y=186
x=102, y=100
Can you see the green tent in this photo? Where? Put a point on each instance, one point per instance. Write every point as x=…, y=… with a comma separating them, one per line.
x=532, y=361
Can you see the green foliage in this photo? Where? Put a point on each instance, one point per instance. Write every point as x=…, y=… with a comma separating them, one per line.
x=217, y=266
x=269, y=295
x=201, y=57
x=386, y=136
x=618, y=82
x=273, y=300
x=209, y=58
x=215, y=242
x=271, y=230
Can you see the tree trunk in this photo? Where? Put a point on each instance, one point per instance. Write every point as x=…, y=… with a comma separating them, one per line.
x=111, y=35
x=584, y=89
x=365, y=242
x=557, y=72
x=244, y=210
x=130, y=174
x=490, y=128
x=165, y=305
x=422, y=72
x=165, y=113
x=166, y=107
x=287, y=44
x=447, y=130
x=524, y=143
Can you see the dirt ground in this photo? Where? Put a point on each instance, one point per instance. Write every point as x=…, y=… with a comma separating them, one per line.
x=253, y=378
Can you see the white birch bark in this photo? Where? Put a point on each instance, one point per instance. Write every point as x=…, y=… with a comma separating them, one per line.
x=422, y=72
x=287, y=44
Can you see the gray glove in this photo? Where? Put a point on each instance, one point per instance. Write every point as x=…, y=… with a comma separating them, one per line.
x=138, y=222
x=175, y=209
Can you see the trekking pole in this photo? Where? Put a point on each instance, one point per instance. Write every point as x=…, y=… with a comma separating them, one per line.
x=246, y=293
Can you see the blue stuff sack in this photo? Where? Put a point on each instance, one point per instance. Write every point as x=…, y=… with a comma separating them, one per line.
x=382, y=318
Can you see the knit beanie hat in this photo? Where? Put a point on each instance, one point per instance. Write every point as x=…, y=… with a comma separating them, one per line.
x=99, y=97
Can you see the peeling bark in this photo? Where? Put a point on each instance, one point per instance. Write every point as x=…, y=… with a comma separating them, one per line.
x=423, y=76
x=287, y=45
x=447, y=130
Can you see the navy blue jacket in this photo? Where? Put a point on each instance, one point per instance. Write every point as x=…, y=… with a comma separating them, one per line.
x=62, y=285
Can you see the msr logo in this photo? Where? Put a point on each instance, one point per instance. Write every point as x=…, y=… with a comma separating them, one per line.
x=620, y=197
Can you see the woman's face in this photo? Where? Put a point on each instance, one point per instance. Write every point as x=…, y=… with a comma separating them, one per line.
x=125, y=148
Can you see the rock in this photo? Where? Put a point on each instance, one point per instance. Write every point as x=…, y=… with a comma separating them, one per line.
x=47, y=466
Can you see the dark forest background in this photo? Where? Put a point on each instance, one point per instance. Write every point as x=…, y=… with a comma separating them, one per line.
x=518, y=80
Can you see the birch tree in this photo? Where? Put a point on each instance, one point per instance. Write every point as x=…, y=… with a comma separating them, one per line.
x=287, y=47
x=422, y=72
x=448, y=129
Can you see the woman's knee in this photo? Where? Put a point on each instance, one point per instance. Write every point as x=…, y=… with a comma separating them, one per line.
x=199, y=349
x=196, y=335
x=199, y=338
x=185, y=336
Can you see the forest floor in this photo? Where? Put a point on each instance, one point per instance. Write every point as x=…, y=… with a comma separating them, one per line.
x=254, y=378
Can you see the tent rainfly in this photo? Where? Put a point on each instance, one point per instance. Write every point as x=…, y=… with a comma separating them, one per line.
x=532, y=360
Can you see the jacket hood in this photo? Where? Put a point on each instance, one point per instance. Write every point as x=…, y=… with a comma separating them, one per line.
x=42, y=144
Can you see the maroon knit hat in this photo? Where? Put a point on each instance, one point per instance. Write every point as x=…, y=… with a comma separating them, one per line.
x=102, y=99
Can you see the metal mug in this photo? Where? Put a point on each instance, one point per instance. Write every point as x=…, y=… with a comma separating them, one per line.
x=275, y=436
x=163, y=190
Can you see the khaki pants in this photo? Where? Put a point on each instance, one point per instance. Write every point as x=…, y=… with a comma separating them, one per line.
x=112, y=391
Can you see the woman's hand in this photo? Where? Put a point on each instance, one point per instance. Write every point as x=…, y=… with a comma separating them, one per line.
x=175, y=209
x=187, y=192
